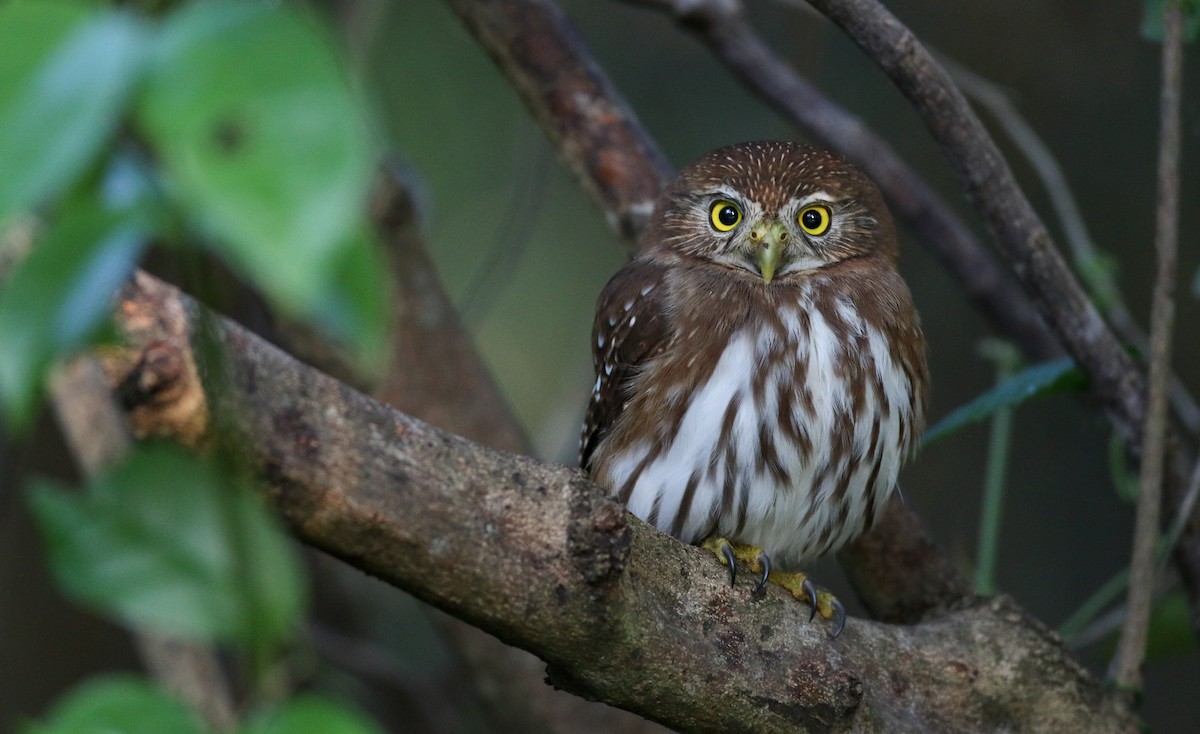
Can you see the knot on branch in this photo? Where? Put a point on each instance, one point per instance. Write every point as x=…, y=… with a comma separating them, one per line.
x=598, y=536
x=161, y=395
x=155, y=378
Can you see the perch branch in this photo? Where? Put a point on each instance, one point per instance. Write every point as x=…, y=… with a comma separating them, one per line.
x=537, y=555
x=436, y=375
x=1142, y=570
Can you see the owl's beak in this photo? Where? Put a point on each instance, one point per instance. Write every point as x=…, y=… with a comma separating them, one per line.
x=770, y=238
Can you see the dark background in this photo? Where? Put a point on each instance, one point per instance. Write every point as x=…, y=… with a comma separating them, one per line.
x=525, y=254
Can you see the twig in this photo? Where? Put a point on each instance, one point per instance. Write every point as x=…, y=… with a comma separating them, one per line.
x=1020, y=235
x=1183, y=516
x=1132, y=648
x=1085, y=625
x=1088, y=260
x=722, y=25
x=989, y=183
x=1006, y=358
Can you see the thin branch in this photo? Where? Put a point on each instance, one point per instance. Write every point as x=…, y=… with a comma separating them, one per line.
x=1007, y=360
x=722, y=25
x=434, y=373
x=538, y=556
x=1086, y=625
x=1088, y=260
x=1021, y=237
x=1132, y=647
x=989, y=183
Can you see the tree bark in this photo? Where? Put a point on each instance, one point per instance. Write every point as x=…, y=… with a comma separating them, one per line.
x=537, y=555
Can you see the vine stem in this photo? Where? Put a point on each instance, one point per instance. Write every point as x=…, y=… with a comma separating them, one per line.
x=1131, y=650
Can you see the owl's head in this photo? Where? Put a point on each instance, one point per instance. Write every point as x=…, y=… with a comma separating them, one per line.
x=772, y=209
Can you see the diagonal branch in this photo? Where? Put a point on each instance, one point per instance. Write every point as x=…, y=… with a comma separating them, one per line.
x=722, y=25
x=537, y=555
x=437, y=376
x=1022, y=237
x=576, y=105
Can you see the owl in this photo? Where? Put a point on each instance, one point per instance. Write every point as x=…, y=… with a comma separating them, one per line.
x=760, y=366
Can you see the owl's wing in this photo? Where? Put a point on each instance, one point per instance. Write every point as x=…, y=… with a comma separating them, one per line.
x=630, y=328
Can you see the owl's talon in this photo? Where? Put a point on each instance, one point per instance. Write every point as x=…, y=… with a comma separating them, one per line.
x=765, y=561
x=809, y=588
x=727, y=551
x=839, y=617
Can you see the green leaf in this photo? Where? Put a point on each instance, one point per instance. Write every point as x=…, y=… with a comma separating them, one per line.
x=165, y=541
x=58, y=297
x=264, y=140
x=1047, y=378
x=121, y=704
x=1152, y=19
x=310, y=715
x=65, y=74
x=1170, y=634
x=352, y=306
x=1125, y=480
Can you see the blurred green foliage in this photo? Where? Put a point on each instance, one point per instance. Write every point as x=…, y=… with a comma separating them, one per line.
x=242, y=134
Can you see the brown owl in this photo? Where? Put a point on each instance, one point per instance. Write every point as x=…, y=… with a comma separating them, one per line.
x=760, y=367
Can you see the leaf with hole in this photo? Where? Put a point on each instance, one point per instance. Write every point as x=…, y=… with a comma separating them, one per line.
x=264, y=142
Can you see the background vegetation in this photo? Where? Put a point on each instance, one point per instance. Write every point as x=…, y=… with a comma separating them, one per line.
x=524, y=253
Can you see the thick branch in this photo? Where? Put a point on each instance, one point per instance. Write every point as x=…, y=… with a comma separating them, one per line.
x=437, y=376
x=537, y=555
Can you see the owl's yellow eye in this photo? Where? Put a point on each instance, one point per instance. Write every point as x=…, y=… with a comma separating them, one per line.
x=725, y=215
x=814, y=220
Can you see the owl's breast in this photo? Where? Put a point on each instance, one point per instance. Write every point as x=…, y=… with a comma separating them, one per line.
x=788, y=436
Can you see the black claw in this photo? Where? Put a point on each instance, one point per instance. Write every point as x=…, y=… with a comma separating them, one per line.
x=765, y=561
x=839, y=618
x=727, y=551
x=811, y=589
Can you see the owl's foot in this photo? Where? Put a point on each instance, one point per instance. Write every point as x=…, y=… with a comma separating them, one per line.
x=821, y=601
x=730, y=553
x=797, y=583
